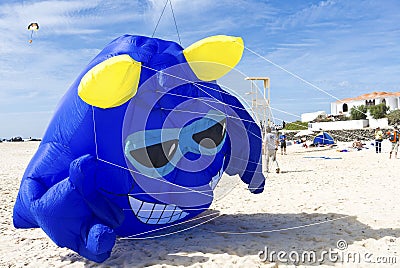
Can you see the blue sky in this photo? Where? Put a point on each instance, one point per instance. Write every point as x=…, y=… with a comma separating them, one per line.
x=346, y=48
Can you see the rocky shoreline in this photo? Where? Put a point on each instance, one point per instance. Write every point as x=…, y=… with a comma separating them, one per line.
x=341, y=135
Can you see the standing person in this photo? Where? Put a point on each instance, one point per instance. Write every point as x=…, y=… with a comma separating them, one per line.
x=270, y=147
x=378, y=140
x=282, y=141
x=394, y=139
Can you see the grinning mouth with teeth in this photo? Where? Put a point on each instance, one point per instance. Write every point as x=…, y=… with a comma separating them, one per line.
x=153, y=213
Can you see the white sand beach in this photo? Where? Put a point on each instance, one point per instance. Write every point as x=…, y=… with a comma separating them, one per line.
x=320, y=197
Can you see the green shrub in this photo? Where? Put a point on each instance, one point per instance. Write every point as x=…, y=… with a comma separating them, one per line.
x=378, y=111
x=358, y=112
x=394, y=117
x=297, y=125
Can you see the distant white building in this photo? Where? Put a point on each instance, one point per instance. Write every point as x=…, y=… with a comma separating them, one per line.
x=307, y=117
x=391, y=99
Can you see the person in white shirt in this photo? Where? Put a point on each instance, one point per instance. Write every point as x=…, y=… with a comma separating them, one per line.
x=271, y=143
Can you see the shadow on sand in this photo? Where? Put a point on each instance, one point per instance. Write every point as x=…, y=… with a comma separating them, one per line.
x=287, y=232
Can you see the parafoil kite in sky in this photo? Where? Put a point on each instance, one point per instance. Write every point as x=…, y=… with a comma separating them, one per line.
x=139, y=142
x=33, y=27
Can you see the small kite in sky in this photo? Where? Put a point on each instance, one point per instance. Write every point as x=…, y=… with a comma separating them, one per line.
x=33, y=27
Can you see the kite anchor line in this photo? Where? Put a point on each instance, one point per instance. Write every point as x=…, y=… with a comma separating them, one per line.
x=173, y=15
x=201, y=192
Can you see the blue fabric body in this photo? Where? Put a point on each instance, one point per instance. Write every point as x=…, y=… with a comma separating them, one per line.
x=83, y=187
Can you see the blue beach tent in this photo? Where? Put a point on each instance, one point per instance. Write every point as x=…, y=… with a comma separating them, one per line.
x=323, y=138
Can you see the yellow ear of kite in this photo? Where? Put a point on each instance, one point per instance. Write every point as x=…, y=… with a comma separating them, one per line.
x=110, y=83
x=213, y=57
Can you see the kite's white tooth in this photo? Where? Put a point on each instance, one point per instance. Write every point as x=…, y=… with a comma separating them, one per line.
x=175, y=217
x=168, y=211
x=135, y=204
x=151, y=213
x=158, y=211
x=145, y=210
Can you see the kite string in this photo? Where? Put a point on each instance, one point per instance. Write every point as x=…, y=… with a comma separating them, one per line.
x=176, y=25
x=94, y=128
x=159, y=19
x=94, y=133
x=298, y=77
x=190, y=190
x=228, y=116
x=199, y=87
x=291, y=73
x=168, y=182
x=287, y=228
x=133, y=171
x=132, y=237
x=177, y=110
x=257, y=54
x=159, y=179
x=116, y=165
x=271, y=108
x=305, y=81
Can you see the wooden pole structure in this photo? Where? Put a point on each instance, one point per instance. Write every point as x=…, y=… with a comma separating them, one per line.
x=267, y=96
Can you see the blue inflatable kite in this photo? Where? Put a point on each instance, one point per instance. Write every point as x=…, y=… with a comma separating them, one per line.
x=139, y=142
